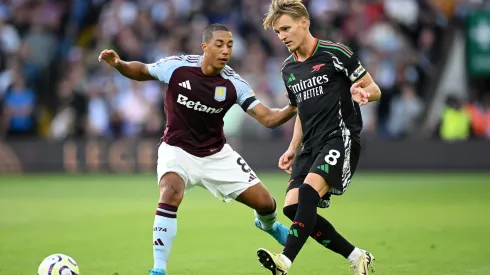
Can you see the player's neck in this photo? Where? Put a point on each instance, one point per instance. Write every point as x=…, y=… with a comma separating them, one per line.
x=208, y=69
x=306, y=49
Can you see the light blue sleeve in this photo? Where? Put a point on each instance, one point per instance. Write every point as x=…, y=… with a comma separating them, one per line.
x=245, y=95
x=164, y=68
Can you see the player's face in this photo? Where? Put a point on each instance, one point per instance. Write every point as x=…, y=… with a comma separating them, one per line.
x=291, y=31
x=219, y=49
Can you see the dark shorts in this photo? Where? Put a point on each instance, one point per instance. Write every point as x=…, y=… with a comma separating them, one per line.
x=336, y=161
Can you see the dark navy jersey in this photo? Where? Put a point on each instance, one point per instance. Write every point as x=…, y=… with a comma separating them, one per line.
x=195, y=103
x=320, y=88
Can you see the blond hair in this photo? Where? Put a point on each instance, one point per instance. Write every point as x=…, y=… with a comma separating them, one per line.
x=293, y=8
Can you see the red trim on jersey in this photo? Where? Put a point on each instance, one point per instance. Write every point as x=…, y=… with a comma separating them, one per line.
x=311, y=52
x=336, y=45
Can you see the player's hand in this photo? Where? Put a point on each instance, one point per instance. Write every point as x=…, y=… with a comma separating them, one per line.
x=110, y=57
x=359, y=95
x=286, y=160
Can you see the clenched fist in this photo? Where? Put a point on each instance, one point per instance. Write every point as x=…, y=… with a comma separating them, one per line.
x=110, y=57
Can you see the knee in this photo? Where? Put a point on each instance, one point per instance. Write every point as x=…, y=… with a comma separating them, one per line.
x=304, y=188
x=171, y=188
x=290, y=211
x=308, y=192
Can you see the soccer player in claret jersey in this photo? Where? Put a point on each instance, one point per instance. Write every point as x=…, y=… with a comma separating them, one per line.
x=193, y=149
x=327, y=83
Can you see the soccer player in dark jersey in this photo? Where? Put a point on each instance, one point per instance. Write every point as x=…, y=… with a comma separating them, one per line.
x=193, y=149
x=327, y=83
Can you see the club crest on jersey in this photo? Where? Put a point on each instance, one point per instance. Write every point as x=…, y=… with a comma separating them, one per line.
x=316, y=68
x=220, y=93
x=170, y=163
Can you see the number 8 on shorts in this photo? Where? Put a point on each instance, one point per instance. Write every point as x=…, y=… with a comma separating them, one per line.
x=332, y=157
x=333, y=164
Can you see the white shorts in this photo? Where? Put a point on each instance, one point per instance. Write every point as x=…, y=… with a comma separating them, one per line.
x=225, y=174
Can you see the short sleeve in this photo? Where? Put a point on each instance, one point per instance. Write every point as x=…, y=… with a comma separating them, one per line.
x=164, y=68
x=292, y=97
x=345, y=60
x=355, y=70
x=245, y=95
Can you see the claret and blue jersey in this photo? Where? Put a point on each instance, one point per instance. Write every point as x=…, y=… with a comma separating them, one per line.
x=195, y=103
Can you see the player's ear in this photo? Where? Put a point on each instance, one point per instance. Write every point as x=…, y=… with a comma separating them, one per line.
x=305, y=23
x=203, y=47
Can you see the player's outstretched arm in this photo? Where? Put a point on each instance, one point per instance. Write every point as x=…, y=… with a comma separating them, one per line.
x=134, y=70
x=272, y=117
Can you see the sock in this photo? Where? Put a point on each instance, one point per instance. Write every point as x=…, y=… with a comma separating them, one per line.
x=267, y=220
x=304, y=221
x=164, y=231
x=286, y=260
x=325, y=234
x=356, y=253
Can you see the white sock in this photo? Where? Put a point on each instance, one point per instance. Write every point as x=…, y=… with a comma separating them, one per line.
x=164, y=231
x=286, y=260
x=354, y=255
x=267, y=221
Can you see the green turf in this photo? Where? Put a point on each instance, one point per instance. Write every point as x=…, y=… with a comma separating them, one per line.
x=413, y=224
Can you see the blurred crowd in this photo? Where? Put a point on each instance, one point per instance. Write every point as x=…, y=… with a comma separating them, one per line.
x=52, y=86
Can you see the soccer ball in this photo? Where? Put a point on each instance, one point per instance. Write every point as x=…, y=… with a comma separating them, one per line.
x=58, y=264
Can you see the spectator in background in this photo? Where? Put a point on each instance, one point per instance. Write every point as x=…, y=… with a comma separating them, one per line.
x=369, y=119
x=426, y=48
x=71, y=117
x=455, y=121
x=39, y=47
x=98, y=115
x=405, y=110
x=9, y=36
x=396, y=39
x=134, y=109
x=3, y=121
x=6, y=81
x=154, y=125
x=480, y=117
x=19, y=105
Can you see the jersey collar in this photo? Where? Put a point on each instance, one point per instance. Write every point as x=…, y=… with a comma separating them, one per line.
x=199, y=60
x=312, y=52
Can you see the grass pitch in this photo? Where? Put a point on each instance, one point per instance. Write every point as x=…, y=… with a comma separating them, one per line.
x=414, y=224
